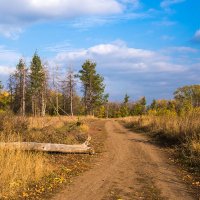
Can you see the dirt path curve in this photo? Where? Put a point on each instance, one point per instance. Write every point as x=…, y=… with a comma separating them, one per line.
x=131, y=168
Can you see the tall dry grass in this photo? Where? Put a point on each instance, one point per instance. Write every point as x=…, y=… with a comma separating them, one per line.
x=56, y=121
x=18, y=169
x=171, y=128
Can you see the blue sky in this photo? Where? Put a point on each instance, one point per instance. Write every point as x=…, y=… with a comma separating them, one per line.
x=141, y=47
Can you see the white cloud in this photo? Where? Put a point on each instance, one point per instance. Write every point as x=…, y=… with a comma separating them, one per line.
x=168, y=3
x=22, y=10
x=87, y=22
x=60, y=47
x=197, y=36
x=9, y=59
x=6, y=70
x=8, y=56
x=118, y=56
x=181, y=49
x=17, y=14
x=9, y=31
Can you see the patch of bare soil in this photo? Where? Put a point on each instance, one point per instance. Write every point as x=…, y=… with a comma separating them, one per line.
x=131, y=168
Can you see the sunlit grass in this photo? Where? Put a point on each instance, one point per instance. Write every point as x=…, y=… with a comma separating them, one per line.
x=19, y=169
x=171, y=128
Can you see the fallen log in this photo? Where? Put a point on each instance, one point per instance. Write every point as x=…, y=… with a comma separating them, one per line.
x=49, y=147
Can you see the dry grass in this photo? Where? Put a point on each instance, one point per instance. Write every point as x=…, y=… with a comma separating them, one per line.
x=183, y=128
x=169, y=128
x=56, y=121
x=42, y=122
x=19, y=169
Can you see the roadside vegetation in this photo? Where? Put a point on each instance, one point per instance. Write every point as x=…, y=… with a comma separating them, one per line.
x=35, y=175
x=175, y=124
x=38, y=105
x=171, y=129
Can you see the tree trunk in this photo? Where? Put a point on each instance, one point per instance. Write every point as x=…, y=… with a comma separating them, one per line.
x=43, y=106
x=57, y=113
x=23, y=93
x=33, y=106
x=71, y=98
x=48, y=147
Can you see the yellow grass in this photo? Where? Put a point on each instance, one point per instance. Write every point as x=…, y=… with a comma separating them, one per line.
x=18, y=169
x=56, y=121
x=195, y=147
x=183, y=129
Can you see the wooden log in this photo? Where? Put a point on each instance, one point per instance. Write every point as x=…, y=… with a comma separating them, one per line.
x=49, y=147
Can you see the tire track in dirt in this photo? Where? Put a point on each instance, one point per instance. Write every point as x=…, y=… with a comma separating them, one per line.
x=131, y=168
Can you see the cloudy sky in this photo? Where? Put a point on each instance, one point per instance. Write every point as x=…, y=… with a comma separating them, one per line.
x=141, y=47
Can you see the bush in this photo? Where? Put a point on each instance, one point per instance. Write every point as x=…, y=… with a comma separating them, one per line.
x=10, y=124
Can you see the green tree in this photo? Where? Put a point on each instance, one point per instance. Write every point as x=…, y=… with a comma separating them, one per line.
x=17, y=88
x=143, y=101
x=126, y=99
x=38, y=86
x=4, y=98
x=139, y=107
x=93, y=87
x=124, y=108
x=153, y=105
x=190, y=94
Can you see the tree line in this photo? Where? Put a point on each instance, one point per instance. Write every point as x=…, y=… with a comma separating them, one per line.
x=33, y=91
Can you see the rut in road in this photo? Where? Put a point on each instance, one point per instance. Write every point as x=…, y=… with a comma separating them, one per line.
x=131, y=168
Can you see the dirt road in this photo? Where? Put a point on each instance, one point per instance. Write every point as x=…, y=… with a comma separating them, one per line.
x=131, y=168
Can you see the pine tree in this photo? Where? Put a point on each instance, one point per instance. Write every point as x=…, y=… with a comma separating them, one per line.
x=17, y=88
x=143, y=101
x=20, y=76
x=153, y=105
x=38, y=86
x=126, y=99
x=93, y=87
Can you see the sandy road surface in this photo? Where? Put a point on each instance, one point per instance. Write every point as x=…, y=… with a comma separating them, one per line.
x=131, y=168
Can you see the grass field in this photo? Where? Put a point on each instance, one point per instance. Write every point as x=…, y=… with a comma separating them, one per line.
x=181, y=131
x=30, y=174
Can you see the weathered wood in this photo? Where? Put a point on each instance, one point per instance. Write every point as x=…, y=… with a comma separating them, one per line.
x=48, y=147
